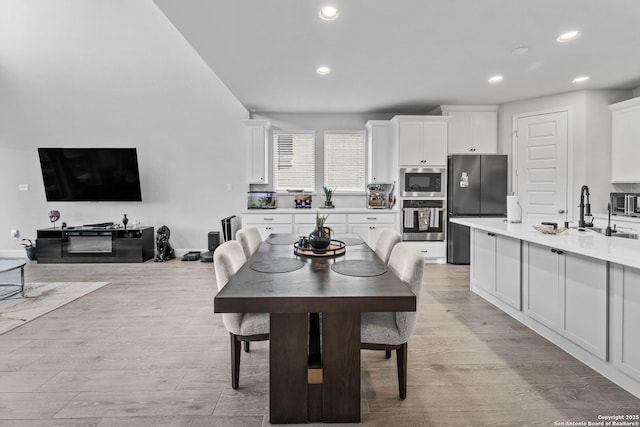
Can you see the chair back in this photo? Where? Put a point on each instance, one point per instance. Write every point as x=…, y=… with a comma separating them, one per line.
x=250, y=240
x=386, y=241
x=228, y=259
x=408, y=264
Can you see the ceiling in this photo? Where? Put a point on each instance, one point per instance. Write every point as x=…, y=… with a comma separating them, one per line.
x=407, y=56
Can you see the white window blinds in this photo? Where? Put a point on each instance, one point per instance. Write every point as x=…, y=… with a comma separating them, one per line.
x=344, y=161
x=294, y=161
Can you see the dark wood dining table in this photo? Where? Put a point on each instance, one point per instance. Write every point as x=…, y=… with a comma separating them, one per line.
x=306, y=387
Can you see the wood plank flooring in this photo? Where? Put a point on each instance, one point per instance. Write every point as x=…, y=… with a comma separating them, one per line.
x=147, y=350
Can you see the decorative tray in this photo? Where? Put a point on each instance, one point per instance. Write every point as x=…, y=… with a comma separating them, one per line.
x=548, y=229
x=336, y=248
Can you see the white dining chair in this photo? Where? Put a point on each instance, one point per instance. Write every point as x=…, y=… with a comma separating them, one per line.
x=391, y=330
x=250, y=240
x=385, y=242
x=228, y=258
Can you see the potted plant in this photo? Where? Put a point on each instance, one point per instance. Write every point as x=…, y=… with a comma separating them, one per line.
x=30, y=249
x=320, y=238
x=328, y=194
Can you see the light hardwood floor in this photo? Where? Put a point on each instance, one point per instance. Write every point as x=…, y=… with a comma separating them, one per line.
x=147, y=350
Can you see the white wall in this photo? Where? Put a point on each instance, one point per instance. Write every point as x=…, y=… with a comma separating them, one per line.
x=319, y=123
x=75, y=73
x=590, y=127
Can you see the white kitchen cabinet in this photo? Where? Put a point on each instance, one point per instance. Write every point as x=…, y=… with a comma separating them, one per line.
x=257, y=134
x=625, y=320
x=432, y=251
x=495, y=266
x=422, y=140
x=472, y=129
x=268, y=223
x=368, y=225
x=568, y=293
x=625, y=133
x=382, y=157
x=305, y=223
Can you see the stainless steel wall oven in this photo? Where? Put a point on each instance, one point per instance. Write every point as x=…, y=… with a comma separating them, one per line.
x=423, y=220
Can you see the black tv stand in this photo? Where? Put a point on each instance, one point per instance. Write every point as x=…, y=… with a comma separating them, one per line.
x=86, y=244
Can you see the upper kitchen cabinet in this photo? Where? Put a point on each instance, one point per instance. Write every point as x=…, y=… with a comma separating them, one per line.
x=625, y=134
x=382, y=157
x=472, y=128
x=257, y=136
x=422, y=140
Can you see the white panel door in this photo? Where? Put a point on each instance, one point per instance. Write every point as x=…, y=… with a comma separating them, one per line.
x=541, y=169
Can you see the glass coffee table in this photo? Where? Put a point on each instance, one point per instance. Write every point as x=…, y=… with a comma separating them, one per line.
x=11, y=276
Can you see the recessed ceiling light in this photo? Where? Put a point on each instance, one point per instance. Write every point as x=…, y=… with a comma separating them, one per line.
x=520, y=50
x=581, y=79
x=495, y=79
x=328, y=13
x=323, y=70
x=568, y=36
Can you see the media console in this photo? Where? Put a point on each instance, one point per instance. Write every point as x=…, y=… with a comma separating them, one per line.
x=94, y=244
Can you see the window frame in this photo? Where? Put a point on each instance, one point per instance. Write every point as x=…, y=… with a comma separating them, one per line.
x=363, y=160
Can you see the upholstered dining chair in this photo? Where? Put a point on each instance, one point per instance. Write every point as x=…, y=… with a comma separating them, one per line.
x=250, y=240
x=385, y=242
x=391, y=330
x=242, y=327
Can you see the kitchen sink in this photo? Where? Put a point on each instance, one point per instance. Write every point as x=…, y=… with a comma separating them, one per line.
x=622, y=235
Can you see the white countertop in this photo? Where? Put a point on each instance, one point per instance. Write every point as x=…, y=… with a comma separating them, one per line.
x=588, y=243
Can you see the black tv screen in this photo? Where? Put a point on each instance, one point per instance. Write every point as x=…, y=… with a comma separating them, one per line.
x=90, y=174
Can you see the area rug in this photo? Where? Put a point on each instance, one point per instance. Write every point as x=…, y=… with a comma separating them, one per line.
x=39, y=299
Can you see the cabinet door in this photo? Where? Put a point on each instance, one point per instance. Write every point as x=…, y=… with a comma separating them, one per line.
x=625, y=151
x=508, y=262
x=543, y=286
x=459, y=132
x=365, y=232
x=411, y=143
x=625, y=320
x=381, y=151
x=257, y=134
x=483, y=263
x=585, y=303
x=484, y=132
x=435, y=143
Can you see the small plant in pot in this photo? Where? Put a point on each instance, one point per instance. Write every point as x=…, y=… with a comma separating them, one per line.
x=30, y=249
x=328, y=194
x=320, y=238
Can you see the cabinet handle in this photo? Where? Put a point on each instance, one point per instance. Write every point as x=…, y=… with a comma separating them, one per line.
x=425, y=251
x=554, y=250
x=559, y=252
x=374, y=218
x=491, y=234
x=268, y=219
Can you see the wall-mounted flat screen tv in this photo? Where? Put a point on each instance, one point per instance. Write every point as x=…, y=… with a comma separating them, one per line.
x=90, y=174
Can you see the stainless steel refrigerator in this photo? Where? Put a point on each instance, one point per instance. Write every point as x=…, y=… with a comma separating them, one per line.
x=476, y=187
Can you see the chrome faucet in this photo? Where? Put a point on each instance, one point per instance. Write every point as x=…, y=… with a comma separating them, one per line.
x=585, y=208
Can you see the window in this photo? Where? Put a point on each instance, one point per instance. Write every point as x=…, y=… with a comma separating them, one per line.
x=344, y=160
x=294, y=161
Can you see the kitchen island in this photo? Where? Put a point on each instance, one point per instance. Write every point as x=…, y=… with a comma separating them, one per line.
x=578, y=289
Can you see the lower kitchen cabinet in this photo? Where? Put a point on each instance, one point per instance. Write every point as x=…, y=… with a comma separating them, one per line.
x=568, y=293
x=368, y=225
x=432, y=251
x=625, y=348
x=495, y=266
x=306, y=223
x=268, y=223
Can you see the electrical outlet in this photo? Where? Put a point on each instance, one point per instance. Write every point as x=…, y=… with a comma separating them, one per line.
x=15, y=234
x=23, y=187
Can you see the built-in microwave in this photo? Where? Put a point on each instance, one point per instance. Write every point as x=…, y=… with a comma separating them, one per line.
x=422, y=182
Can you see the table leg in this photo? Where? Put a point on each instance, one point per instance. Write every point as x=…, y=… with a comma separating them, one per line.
x=288, y=358
x=341, y=367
